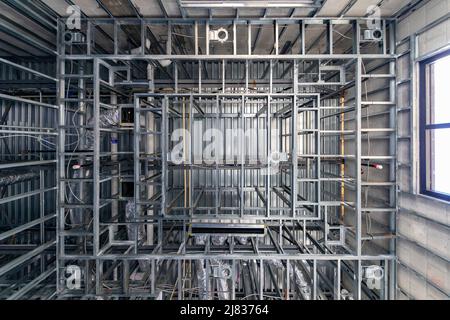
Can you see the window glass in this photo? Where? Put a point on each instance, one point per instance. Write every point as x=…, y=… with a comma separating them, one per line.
x=441, y=101
x=440, y=166
x=435, y=127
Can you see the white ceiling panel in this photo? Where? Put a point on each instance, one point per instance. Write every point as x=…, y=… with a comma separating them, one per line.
x=151, y=8
x=19, y=44
x=148, y=8
x=197, y=12
x=172, y=8
x=388, y=8
x=90, y=8
x=59, y=6
x=225, y=12
x=332, y=8
x=281, y=12
x=303, y=12
x=246, y=12
x=360, y=8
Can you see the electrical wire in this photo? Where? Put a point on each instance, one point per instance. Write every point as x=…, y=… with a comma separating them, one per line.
x=258, y=295
x=367, y=189
x=43, y=142
x=342, y=35
x=77, y=144
x=200, y=37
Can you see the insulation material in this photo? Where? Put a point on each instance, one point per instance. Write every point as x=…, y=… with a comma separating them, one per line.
x=130, y=216
x=202, y=280
x=298, y=277
x=224, y=293
x=215, y=240
x=221, y=277
x=108, y=119
x=224, y=270
x=218, y=240
x=242, y=240
x=11, y=177
x=79, y=193
x=345, y=295
x=200, y=240
x=201, y=271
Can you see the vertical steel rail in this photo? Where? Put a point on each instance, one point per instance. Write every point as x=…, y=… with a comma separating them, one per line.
x=288, y=279
x=302, y=37
x=338, y=281
x=249, y=39
x=234, y=38
x=330, y=37
x=217, y=160
x=242, y=155
x=358, y=175
x=315, y=284
x=196, y=38
x=393, y=173
x=137, y=165
x=294, y=143
x=319, y=158
x=61, y=70
x=261, y=279
x=164, y=154
x=41, y=197
x=276, y=38
x=96, y=177
x=268, y=151
x=191, y=155
x=207, y=38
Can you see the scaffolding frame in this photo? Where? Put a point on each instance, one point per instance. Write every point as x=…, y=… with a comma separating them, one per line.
x=120, y=265
x=27, y=242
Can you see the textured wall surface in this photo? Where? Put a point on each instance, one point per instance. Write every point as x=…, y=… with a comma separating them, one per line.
x=423, y=247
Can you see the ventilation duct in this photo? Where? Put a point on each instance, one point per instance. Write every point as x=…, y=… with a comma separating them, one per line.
x=11, y=177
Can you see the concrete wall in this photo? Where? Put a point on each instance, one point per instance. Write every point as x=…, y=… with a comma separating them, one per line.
x=423, y=245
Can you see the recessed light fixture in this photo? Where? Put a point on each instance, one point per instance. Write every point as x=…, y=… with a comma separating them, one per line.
x=249, y=4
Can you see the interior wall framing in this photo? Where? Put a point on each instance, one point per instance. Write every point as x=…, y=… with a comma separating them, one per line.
x=28, y=179
x=319, y=239
x=423, y=222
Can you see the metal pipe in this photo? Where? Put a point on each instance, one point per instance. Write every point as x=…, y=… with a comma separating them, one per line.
x=342, y=153
x=17, y=99
x=24, y=258
x=20, y=67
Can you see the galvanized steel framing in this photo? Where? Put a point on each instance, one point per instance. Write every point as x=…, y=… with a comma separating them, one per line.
x=291, y=238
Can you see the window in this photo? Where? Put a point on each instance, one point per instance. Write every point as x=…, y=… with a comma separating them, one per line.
x=435, y=126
